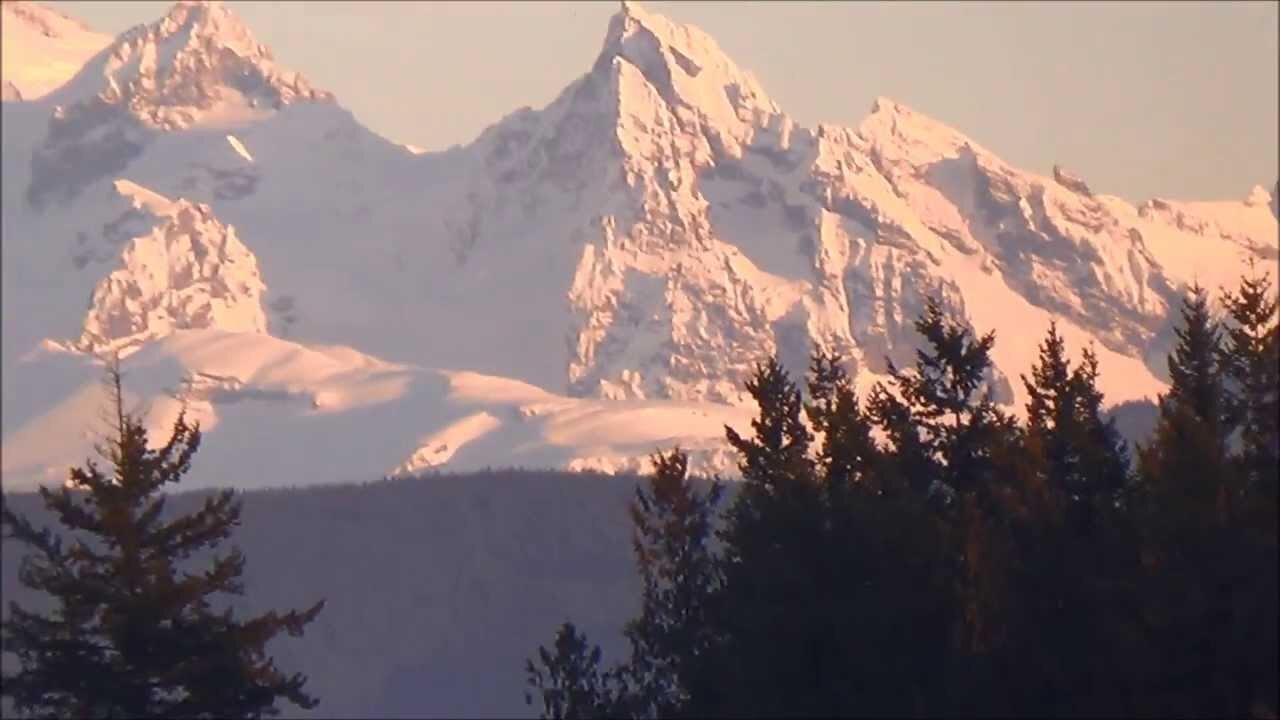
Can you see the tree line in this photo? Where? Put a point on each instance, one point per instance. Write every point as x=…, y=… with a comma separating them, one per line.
x=919, y=552
x=925, y=552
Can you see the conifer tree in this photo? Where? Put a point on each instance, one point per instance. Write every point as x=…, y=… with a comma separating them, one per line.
x=1194, y=574
x=673, y=528
x=134, y=631
x=1185, y=469
x=942, y=421
x=673, y=525
x=848, y=456
x=1071, y=544
x=1250, y=362
x=873, y=560
x=570, y=683
x=1081, y=455
x=1195, y=378
x=776, y=637
x=951, y=440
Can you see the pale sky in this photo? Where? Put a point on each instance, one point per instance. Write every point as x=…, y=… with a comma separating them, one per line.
x=1142, y=99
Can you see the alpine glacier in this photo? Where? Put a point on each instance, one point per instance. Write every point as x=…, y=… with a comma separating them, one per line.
x=581, y=285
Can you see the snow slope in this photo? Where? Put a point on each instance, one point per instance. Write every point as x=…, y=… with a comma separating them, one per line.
x=40, y=49
x=271, y=409
x=618, y=260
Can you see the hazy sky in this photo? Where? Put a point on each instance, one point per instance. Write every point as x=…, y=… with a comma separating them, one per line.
x=1142, y=99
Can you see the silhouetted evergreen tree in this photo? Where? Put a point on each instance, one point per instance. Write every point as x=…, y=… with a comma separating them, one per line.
x=875, y=560
x=673, y=528
x=1083, y=458
x=1074, y=569
x=848, y=457
x=133, y=632
x=940, y=417
x=570, y=683
x=949, y=438
x=775, y=635
x=1250, y=362
x=1196, y=574
x=930, y=555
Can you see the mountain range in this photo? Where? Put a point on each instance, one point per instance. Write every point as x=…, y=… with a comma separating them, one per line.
x=579, y=286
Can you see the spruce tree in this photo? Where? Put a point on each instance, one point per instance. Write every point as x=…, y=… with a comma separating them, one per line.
x=1071, y=542
x=1250, y=362
x=1083, y=459
x=569, y=682
x=775, y=634
x=949, y=439
x=847, y=456
x=673, y=525
x=1194, y=573
x=134, y=631
x=1184, y=468
x=873, y=562
x=673, y=529
x=941, y=418
x=1196, y=382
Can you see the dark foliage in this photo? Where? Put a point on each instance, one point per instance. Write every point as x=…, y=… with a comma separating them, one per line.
x=930, y=554
x=133, y=632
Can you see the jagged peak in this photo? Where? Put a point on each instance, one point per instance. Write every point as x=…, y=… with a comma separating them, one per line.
x=199, y=56
x=890, y=117
x=1258, y=196
x=188, y=271
x=896, y=129
x=210, y=20
x=887, y=105
x=682, y=62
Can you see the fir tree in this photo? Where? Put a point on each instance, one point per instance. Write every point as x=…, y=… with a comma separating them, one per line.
x=774, y=460
x=1194, y=375
x=873, y=561
x=673, y=528
x=949, y=439
x=134, y=632
x=1081, y=455
x=1185, y=468
x=848, y=456
x=1195, y=575
x=775, y=634
x=1072, y=565
x=571, y=684
x=942, y=421
x=1250, y=362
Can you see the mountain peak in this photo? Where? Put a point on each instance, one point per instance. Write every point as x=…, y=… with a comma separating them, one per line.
x=685, y=67
x=198, y=62
x=897, y=130
x=210, y=19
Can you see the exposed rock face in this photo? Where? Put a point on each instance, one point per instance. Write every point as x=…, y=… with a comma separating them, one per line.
x=197, y=60
x=650, y=235
x=707, y=229
x=1070, y=181
x=199, y=66
x=189, y=272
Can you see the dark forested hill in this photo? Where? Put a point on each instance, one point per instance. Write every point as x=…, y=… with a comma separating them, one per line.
x=438, y=588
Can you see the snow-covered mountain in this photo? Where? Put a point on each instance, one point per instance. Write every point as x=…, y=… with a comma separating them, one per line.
x=40, y=49
x=623, y=256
